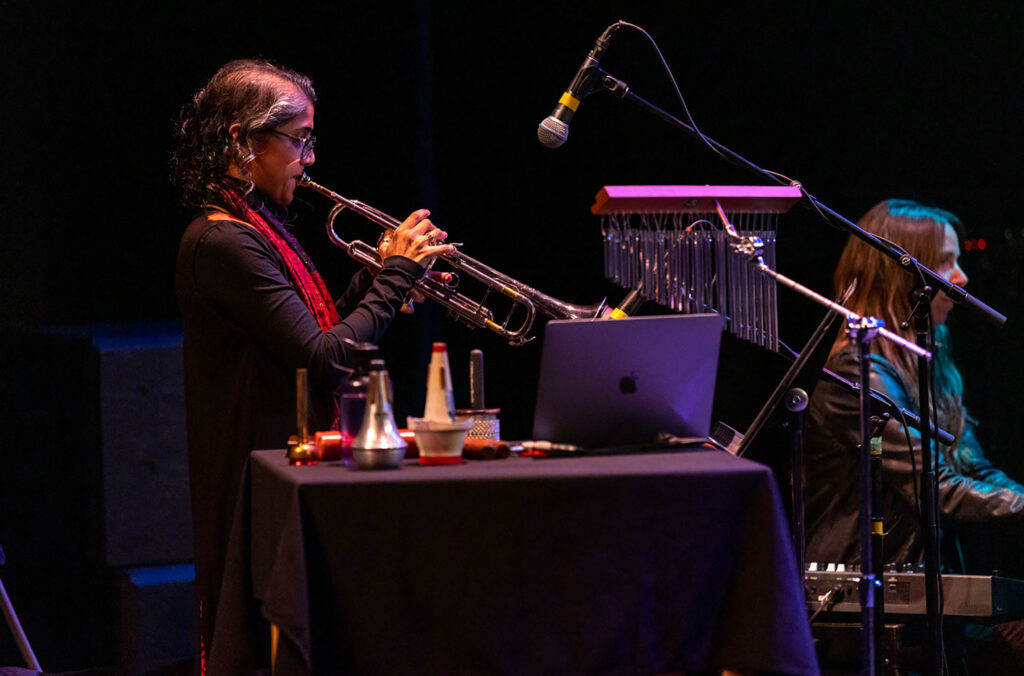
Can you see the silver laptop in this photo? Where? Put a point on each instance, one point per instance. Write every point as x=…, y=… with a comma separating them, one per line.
x=622, y=382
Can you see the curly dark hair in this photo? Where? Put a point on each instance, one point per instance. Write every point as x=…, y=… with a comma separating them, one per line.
x=252, y=93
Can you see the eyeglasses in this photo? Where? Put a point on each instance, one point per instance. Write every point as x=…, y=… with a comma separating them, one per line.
x=305, y=144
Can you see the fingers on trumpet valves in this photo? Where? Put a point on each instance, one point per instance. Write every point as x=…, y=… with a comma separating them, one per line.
x=438, y=247
x=420, y=234
x=436, y=237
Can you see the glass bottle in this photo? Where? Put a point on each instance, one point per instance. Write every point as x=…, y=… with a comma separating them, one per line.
x=352, y=397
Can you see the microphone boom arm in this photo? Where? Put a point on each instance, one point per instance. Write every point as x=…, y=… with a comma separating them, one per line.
x=956, y=293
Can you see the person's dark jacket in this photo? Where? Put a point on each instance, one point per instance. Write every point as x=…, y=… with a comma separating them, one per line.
x=246, y=331
x=980, y=493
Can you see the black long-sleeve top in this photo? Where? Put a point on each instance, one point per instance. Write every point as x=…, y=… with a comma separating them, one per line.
x=246, y=331
x=981, y=493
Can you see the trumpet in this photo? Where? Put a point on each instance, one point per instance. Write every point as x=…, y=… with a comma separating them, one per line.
x=473, y=313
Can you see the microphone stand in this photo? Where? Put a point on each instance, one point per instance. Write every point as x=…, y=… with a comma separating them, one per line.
x=791, y=392
x=863, y=330
x=603, y=81
x=793, y=395
x=929, y=477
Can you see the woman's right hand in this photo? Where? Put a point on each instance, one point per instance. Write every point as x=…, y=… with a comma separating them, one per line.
x=417, y=239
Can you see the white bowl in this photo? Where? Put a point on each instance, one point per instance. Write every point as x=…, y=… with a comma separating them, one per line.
x=439, y=442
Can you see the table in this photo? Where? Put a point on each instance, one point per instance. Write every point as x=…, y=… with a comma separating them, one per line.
x=628, y=564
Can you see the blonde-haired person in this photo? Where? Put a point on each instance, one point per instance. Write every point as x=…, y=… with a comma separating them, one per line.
x=970, y=488
x=971, y=491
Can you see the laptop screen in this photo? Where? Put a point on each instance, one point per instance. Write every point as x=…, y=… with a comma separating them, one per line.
x=619, y=382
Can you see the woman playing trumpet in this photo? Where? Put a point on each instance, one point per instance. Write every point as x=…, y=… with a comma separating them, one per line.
x=253, y=306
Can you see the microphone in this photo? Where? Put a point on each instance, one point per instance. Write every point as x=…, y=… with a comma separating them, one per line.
x=553, y=131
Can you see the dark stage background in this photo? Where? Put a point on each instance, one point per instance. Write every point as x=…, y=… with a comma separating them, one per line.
x=436, y=105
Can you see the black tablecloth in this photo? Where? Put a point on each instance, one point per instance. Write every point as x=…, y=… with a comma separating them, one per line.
x=604, y=565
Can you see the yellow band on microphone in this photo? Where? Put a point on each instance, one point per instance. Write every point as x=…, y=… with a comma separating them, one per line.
x=569, y=101
x=617, y=314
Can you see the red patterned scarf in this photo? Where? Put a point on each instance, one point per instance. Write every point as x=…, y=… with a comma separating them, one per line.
x=304, y=277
